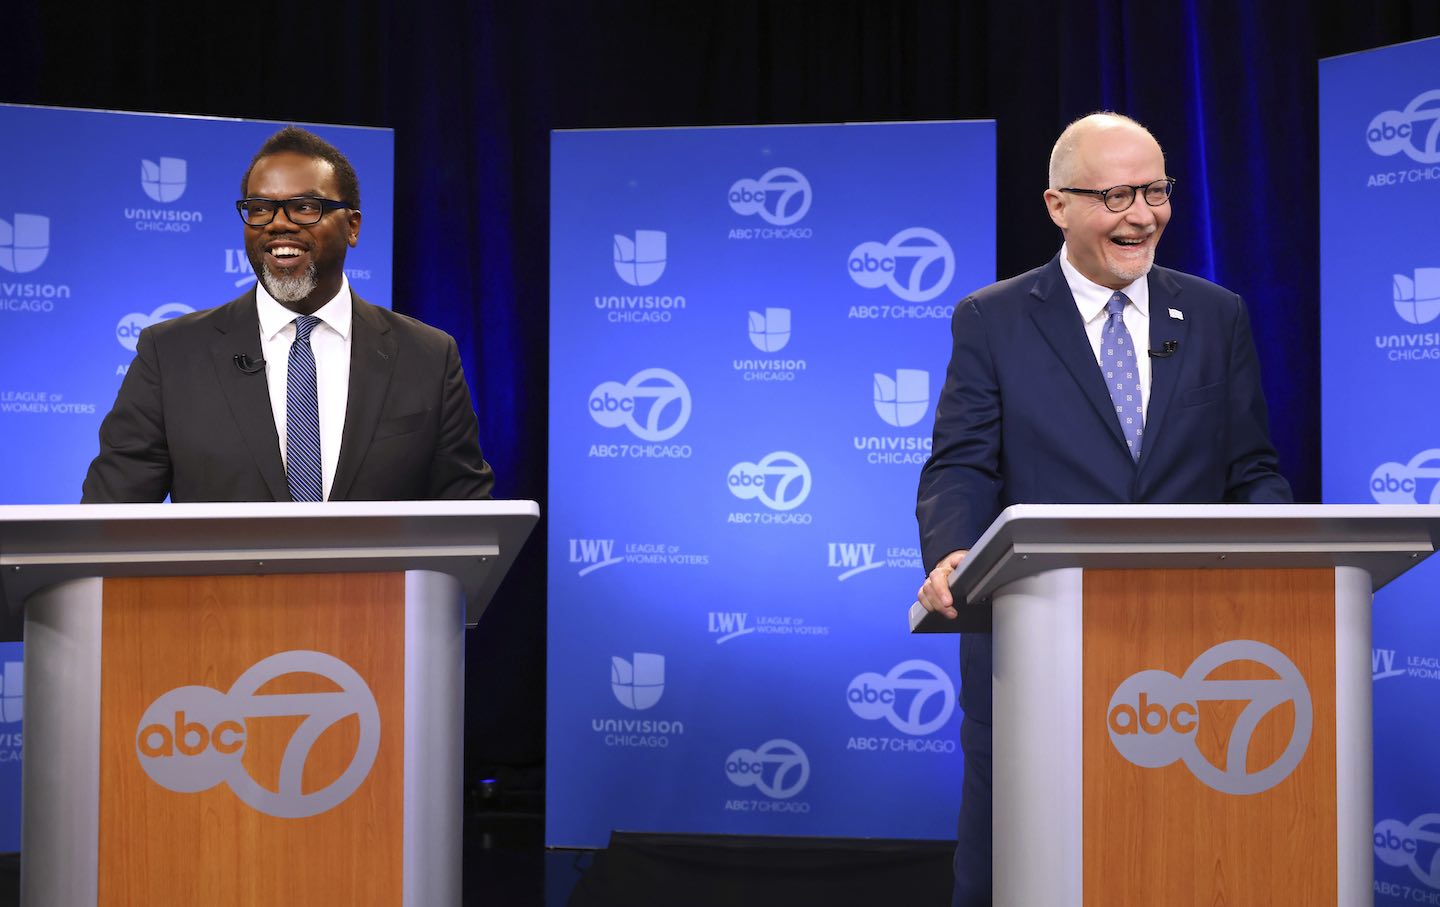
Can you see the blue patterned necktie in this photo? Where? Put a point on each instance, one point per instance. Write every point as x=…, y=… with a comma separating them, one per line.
x=1117, y=358
x=302, y=418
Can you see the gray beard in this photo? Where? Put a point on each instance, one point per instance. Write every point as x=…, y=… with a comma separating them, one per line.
x=289, y=289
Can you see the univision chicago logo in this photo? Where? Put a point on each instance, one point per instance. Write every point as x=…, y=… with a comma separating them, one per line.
x=640, y=260
x=163, y=181
x=12, y=693
x=24, y=242
x=638, y=683
x=770, y=330
x=1417, y=298
x=903, y=400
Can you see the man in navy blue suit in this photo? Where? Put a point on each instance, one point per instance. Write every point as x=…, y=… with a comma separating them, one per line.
x=1096, y=378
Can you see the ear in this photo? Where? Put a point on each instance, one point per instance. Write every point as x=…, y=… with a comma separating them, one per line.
x=1055, y=204
x=352, y=228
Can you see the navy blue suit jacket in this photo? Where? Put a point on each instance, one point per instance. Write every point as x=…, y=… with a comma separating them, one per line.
x=1025, y=417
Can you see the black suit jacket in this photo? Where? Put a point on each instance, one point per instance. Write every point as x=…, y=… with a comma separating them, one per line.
x=188, y=422
x=1025, y=417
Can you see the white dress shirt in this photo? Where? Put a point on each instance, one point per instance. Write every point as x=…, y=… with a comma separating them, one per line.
x=1091, y=298
x=330, y=341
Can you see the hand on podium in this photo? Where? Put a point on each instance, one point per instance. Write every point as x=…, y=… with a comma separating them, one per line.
x=934, y=593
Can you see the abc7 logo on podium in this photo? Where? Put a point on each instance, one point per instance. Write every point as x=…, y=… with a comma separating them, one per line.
x=1154, y=717
x=194, y=737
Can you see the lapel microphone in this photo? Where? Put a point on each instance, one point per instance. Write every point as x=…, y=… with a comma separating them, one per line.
x=1168, y=349
x=250, y=366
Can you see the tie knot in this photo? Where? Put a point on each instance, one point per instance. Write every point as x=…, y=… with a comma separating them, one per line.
x=304, y=324
x=1116, y=305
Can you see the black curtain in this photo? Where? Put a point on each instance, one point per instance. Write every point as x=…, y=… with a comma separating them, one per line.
x=473, y=88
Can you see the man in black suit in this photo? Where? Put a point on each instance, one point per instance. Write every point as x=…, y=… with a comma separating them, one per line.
x=1097, y=378
x=214, y=407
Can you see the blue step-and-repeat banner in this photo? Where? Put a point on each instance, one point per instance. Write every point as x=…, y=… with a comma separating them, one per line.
x=1380, y=353
x=749, y=328
x=110, y=222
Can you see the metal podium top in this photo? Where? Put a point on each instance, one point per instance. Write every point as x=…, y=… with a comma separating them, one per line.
x=1026, y=539
x=475, y=541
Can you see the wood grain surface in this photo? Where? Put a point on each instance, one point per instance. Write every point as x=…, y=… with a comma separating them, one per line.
x=1159, y=835
x=158, y=846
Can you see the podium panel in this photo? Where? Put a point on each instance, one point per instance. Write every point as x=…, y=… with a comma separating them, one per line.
x=1217, y=747
x=242, y=758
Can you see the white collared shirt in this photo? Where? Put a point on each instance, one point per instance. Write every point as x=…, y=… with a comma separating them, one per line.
x=1091, y=298
x=330, y=341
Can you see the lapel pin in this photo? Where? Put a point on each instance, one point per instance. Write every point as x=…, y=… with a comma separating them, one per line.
x=1177, y=314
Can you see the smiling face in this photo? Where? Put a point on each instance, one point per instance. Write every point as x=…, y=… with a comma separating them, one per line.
x=1114, y=250
x=302, y=267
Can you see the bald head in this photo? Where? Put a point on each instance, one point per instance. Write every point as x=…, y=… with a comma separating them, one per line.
x=1064, y=156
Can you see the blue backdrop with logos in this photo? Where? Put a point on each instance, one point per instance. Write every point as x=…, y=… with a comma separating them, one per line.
x=110, y=222
x=749, y=328
x=1380, y=359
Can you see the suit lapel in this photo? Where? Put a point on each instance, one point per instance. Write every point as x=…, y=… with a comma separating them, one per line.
x=1165, y=370
x=372, y=363
x=248, y=394
x=1059, y=322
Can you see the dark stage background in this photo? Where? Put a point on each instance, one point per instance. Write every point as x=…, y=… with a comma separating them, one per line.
x=473, y=89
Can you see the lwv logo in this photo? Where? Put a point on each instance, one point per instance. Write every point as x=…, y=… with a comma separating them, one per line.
x=729, y=624
x=1382, y=664
x=595, y=553
x=855, y=557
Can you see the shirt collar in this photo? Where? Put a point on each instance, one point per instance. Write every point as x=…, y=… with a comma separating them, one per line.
x=336, y=313
x=1091, y=298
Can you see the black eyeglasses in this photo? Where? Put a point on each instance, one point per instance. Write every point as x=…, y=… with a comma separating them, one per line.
x=302, y=211
x=1120, y=198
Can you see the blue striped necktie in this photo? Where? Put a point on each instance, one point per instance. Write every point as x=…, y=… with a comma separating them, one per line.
x=302, y=418
x=1117, y=357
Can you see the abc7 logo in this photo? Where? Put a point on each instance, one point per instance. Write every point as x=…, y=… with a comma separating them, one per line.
x=1400, y=483
x=193, y=738
x=613, y=404
x=1154, y=716
x=777, y=768
x=1398, y=845
x=874, y=265
x=875, y=696
x=127, y=330
x=750, y=480
x=751, y=196
x=1394, y=131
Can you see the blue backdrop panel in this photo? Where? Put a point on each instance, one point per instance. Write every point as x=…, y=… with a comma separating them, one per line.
x=12, y=690
x=108, y=222
x=1380, y=358
x=749, y=329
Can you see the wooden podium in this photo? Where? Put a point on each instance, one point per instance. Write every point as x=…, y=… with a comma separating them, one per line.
x=248, y=703
x=1182, y=698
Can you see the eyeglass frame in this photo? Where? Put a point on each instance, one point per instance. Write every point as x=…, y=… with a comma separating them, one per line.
x=1104, y=194
x=326, y=206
